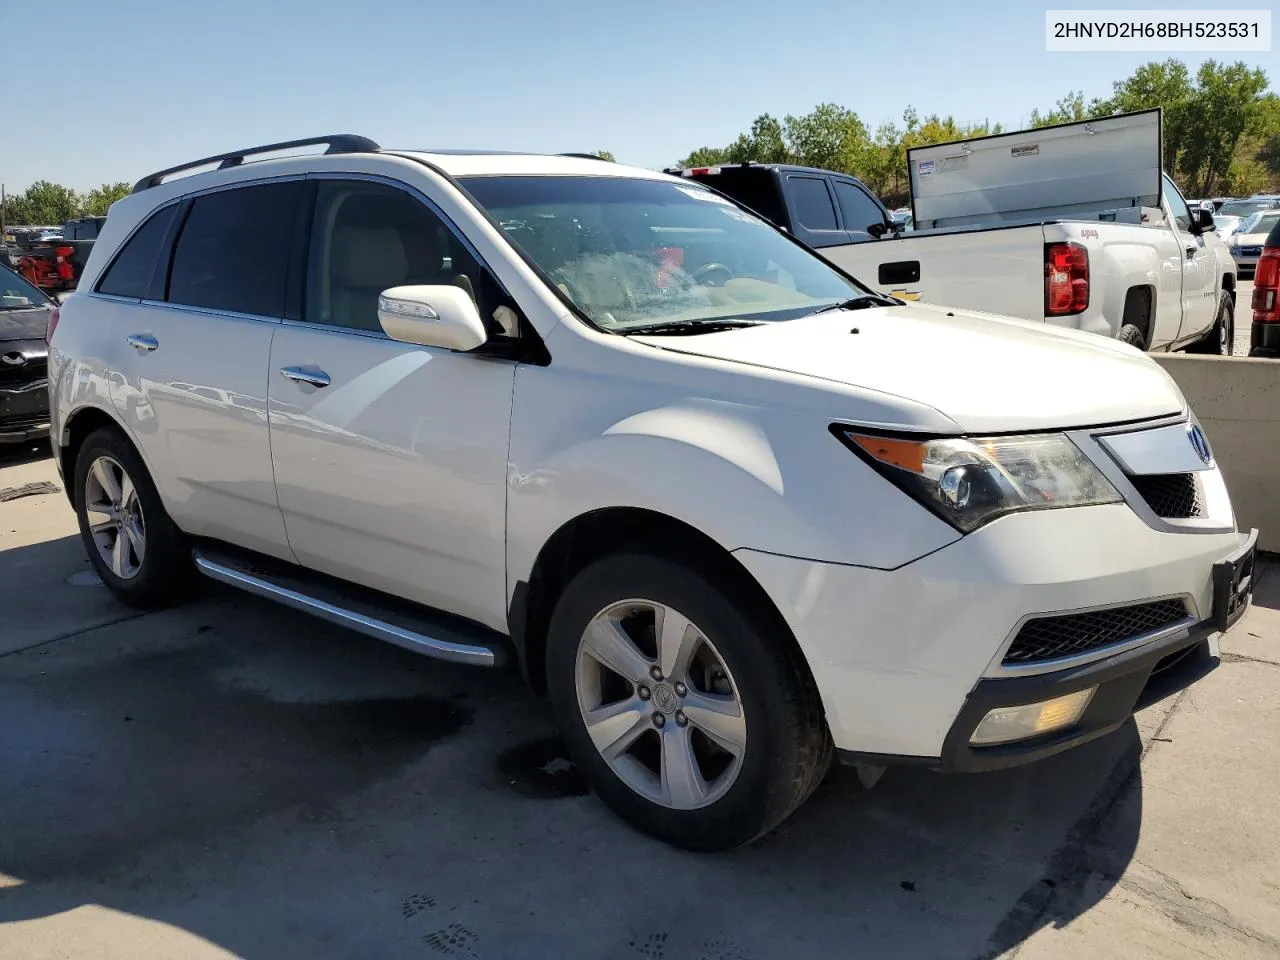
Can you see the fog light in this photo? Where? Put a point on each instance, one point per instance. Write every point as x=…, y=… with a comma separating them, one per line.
x=1006, y=724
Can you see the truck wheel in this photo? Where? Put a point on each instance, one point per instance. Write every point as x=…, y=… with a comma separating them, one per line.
x=133, y=545
x=1220, y=340
x=1132, y=335
x=694, y=721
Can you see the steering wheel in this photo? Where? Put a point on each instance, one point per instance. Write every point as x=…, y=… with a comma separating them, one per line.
x=703, y=273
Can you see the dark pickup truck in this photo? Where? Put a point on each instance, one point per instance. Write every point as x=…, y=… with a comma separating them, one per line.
x=819, y=208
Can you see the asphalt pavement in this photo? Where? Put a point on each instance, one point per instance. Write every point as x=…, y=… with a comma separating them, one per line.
x=229, y=778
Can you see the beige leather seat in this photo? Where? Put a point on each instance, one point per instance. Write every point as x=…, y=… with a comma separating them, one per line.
x=363, y=261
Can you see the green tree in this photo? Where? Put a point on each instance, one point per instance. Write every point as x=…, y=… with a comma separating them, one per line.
x=705, y=157
x=1224, y=106
x=829, y=136
x=42, y=203
x=763, y=144
x=1269, y=155
x=98, y=201
x=1067, y=110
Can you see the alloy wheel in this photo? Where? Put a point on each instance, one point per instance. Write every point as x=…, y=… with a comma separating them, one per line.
x=114, y=514
x=660, y=705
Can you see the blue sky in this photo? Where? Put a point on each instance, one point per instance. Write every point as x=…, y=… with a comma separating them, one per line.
x=136, y=85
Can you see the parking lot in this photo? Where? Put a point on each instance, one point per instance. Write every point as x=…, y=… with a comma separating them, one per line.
x=234, y=779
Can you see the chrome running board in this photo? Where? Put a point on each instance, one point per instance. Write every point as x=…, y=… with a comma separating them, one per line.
x=414, y=628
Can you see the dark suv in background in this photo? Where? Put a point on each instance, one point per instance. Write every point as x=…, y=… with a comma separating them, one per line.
x=1264, y=339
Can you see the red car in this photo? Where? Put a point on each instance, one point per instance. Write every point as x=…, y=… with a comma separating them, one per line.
x=1265, y=336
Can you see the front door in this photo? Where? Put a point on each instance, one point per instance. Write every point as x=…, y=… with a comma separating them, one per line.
x=390, y=459
x=1199, y=284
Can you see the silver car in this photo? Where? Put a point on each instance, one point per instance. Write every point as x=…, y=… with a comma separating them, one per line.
x=1246, y=243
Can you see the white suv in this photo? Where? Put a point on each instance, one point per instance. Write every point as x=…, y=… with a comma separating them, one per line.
x=730, y=509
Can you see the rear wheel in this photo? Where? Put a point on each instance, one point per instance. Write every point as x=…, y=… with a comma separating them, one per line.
x=1133, y=336
x=1221, y=339
x=133, y=545
x=695, y=722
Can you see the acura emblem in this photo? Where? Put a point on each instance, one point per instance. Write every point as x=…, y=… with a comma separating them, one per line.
x=14, y=359
x=1201, y=444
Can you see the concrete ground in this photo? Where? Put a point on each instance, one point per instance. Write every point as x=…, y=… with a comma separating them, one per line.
x=233, y=779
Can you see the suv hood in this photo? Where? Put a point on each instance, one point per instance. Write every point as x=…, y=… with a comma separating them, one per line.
x=986, y=373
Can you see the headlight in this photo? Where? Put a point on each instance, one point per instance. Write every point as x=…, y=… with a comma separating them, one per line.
x=971, y=481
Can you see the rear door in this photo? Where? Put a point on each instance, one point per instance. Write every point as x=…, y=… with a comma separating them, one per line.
x=812, y=208
x=201, y=291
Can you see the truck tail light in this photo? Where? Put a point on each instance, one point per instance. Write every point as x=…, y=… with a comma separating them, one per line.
x=1066, y=279
x=52, y=325
x=1266, y=287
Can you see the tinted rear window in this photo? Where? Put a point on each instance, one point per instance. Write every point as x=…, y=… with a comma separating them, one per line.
x=130, y=273
x=813, y=204
x=233, y=252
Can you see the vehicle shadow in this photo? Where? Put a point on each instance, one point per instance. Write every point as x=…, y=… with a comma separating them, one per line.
x=281, y=788
x=12, y=455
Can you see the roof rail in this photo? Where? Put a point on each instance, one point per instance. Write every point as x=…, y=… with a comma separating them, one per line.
x=337, y=143
x=582, y=156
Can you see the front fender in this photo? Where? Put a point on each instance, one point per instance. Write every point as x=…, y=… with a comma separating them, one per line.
x=747, y=476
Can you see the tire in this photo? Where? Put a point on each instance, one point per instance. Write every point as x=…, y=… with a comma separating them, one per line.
x=1220, y=340
x=1132, y=336
x=740, y=661
x=152, y=568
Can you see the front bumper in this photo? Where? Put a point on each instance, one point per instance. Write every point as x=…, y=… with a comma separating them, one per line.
x=24, y=411
x=905, y=659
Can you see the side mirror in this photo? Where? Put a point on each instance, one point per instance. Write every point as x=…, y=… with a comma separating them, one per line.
x=1208, y=205
x=1201, y=221
x=433, y=316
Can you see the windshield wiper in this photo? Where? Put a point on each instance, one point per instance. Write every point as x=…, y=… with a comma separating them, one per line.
x=863, y=302
x=686, y=327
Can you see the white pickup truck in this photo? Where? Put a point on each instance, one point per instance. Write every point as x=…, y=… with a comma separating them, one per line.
x=1075, y=224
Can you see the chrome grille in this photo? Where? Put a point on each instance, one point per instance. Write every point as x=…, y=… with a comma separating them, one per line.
x=1051, y=638
x=1174, y=496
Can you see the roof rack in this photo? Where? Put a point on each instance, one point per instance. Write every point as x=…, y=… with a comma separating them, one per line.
x=337, y=143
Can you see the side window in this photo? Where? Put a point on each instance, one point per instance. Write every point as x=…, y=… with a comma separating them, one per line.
x=130, y=273
x=857, y=209
x=1177, y=206
x=813, y=204
x=233, y=251
x=366, y=237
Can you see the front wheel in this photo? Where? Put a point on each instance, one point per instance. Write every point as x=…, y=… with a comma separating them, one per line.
x=693, y=721
x=1220, y=340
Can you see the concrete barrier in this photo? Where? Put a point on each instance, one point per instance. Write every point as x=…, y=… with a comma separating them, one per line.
x=1237, y=401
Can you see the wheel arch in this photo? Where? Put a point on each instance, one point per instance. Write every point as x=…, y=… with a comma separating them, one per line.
x=610, y=530
x=75, y=430
x=1140, y=310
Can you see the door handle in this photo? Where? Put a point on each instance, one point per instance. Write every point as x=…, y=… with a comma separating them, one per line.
x=1191, y=252
x=317, y=378
x=144, y=342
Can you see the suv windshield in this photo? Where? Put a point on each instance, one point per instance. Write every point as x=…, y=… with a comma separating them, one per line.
x=634, y=253
x=17, y=294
